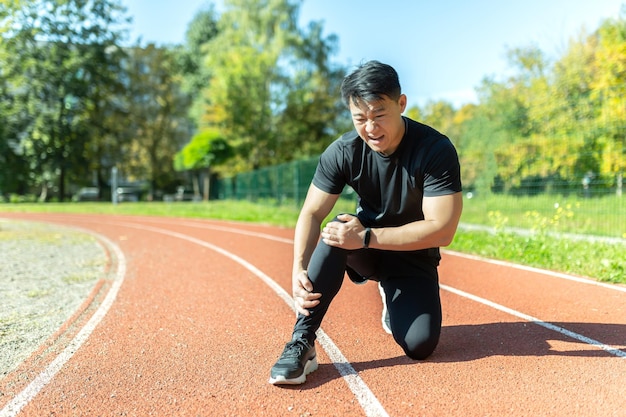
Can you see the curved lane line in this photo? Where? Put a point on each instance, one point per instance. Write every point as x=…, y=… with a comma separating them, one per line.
x=367, y=399
x=238, y=231
x=203, y=225
x=13, y=407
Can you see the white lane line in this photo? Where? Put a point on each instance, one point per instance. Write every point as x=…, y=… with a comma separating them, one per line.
x=367, y=399
x=553, y=274
x=610, y=349
x=13, y=407
x=201, y=225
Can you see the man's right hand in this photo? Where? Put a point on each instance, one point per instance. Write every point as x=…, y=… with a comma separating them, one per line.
x=303, y=297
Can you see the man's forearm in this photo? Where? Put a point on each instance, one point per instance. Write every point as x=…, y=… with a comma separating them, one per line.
x=413, y=236
x=441, y=215
x=305, y=239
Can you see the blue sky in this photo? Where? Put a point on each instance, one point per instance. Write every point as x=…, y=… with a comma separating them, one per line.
x=442, y=49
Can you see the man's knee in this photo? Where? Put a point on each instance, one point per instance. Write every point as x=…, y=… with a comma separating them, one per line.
x=420, y=341
x=419, y=350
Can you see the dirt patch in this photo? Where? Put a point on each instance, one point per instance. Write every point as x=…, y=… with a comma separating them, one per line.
x=46, y=272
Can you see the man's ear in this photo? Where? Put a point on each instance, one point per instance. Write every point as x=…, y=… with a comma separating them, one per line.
x=402, y=103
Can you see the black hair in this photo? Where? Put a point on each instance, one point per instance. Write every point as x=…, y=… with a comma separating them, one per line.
x=370, y=82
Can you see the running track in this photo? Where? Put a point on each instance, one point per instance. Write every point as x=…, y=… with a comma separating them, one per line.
x=193, y=313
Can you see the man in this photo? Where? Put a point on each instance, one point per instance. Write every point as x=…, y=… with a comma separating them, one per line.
x=407, y=177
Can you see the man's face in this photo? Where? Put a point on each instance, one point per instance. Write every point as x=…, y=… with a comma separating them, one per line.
x=380, y=123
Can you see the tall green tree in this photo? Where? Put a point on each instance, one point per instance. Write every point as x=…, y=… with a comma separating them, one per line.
x=157, y=120
x=609, y=89
x=56, y=58
x=205, y=150
x=272, y=91
x=13, y=166
x=192, y=54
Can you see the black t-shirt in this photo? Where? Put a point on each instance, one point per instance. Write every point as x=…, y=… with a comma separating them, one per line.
x=391, y=188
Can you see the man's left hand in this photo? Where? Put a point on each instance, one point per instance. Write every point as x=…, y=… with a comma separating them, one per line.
x=347, y=233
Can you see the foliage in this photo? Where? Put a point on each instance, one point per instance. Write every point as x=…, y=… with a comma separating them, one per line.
x=157, y=123
x=14, y=171
x=58, y=61
x=191, y=56
x=547, y=126
x=272, y=91
x=206, y=149
x=549, y=123
x=76, y=100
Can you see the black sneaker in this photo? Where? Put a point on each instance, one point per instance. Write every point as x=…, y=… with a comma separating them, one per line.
x=296, y=362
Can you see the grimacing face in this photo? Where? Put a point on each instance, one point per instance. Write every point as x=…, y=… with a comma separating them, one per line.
x=379, y=123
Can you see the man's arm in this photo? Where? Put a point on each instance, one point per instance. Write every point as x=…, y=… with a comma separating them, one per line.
x=441, y=218
x=316, y=207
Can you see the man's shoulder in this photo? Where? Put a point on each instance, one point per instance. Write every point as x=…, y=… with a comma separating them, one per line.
x=349, y=138
x=422, y=130
x=347, y=141
x=426, y=137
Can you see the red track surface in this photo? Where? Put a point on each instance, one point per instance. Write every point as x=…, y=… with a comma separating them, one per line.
x=191, y=318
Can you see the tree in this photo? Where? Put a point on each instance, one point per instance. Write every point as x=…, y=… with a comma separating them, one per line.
x=157, y=121
x=191, y=56
x=440, y=115
x=57, y=62
x=272, y=91
x=609, y=89
x=206, y=149
x=13, y=167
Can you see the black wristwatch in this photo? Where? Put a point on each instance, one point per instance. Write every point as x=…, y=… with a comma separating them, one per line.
x=366, y=238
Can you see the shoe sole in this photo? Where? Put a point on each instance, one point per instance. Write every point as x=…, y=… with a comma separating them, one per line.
x=310, y=366
x=383, y=320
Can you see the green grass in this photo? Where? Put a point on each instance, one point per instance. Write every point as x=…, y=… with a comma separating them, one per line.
x=546, y=217
x=595, y=216
x=601, y=261
x=283, y=215
x=542, y=215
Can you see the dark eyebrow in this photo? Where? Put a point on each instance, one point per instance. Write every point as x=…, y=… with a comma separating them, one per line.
x=379, y=109
x=375, y=110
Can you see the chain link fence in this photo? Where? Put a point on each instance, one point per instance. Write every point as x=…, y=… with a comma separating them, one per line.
x=596, y=203
x=278, y=184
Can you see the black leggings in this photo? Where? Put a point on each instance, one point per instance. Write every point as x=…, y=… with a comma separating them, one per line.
x=413, y=301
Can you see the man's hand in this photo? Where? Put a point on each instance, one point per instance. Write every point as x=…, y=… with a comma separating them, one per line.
x=346, y=233
x=303, y=297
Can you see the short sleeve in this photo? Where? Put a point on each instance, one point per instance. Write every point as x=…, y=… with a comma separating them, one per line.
x=442, y=174
x=329, y=176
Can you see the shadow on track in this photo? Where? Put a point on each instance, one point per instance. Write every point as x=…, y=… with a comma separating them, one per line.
x=471, y=342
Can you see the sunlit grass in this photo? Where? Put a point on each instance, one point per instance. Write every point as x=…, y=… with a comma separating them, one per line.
x=596, y=216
